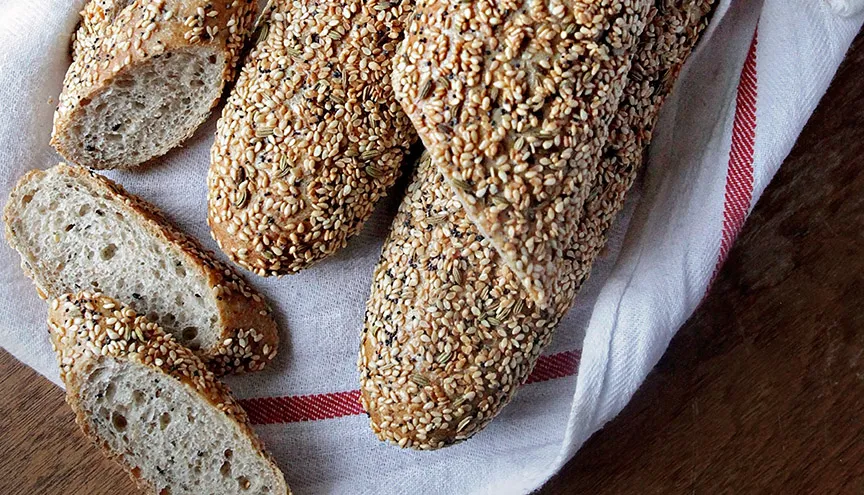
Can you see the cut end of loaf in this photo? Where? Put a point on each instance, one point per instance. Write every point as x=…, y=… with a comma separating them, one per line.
x=144, y=111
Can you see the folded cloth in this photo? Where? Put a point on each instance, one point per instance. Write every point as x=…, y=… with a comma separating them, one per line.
x=736, y=111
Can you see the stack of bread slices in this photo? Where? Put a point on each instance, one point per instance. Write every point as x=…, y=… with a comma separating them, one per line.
x=142, y=318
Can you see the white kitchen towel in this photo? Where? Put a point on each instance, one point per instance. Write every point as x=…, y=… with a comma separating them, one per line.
x=741, y=102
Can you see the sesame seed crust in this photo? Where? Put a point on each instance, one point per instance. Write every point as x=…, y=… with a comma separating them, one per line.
x=311, y=136
x=87, y=327
x=115, y=36
x=450, y=332
x=450, y=329
x=249, y=336
x=521, y=100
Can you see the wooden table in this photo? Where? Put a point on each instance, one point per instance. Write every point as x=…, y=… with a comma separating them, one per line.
x=762, y=391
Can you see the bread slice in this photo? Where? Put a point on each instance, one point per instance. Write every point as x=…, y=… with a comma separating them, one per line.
x=152, y=405
x=76, y=230
x=145, y=75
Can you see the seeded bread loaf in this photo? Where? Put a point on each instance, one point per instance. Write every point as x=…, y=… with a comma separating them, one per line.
x=152, y=405
x=76, y=230
x=144, y=76
x=450, y=330
x=513, y=101
x=311, y=136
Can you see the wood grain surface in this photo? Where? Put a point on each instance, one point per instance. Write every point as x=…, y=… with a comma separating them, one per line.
x=761, y=392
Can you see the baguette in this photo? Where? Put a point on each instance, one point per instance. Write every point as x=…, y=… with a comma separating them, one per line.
x=76, y=230
x=311, y=137
x=450, y=330
x=521, y=98
x=152, y=405
x=144, y=76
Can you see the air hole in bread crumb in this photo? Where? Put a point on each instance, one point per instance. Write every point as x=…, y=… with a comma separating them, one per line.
x=225, y=469
x=109, y=392
x=228, y=453
x=212, y=59
x=136, y=472
x=85, y=209
x=244, y=483
x=152, y=316
x=180, y=271
x=137, y=397
x=69, y=227
x=165, y=491
x=108, y=252
x=26, y=199
x=189, y=333
x=118, y=420
x=169, y=319
x=164, y=420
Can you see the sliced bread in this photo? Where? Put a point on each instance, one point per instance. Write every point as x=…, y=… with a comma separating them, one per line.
x=145, y=75
x=151, y=404
x=76, y=230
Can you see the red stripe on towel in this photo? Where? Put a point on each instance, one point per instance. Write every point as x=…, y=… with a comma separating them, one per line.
x=294, y=408
x=739, y=175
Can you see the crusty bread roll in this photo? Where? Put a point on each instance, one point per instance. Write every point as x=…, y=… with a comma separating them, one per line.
x=451, y=330
x=77, y=230
x=311, y=136
x=144, y=76
x=152, y=405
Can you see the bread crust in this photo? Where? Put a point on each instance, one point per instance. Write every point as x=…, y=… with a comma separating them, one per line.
x=249, y=336
x=115, y=36
x=311, y=137
x=448, y=321
x=147, y=345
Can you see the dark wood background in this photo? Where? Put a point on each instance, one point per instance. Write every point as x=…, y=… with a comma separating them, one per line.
x=762, y=391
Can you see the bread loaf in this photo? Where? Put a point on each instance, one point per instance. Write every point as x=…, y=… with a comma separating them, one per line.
x=144, y=76
x=311, y=137
x=151, y=404
x=451, y=328
x=513, y=102
x=76, y=230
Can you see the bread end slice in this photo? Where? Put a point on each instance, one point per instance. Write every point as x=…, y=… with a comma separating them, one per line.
x=144, y=76
x=152, y=405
